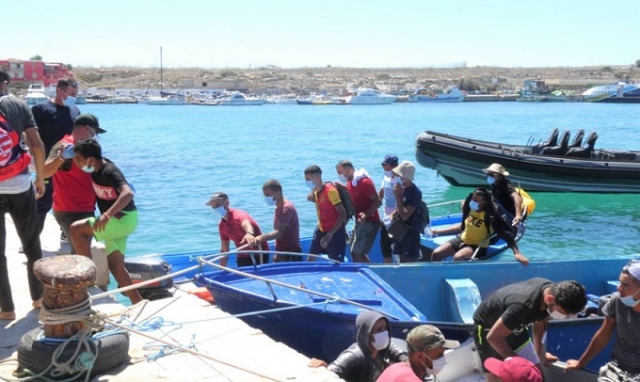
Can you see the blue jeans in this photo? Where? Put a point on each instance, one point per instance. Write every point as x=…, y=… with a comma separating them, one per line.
x=22, y=208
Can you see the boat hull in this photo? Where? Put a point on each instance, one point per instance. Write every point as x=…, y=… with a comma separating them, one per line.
x=460, y=161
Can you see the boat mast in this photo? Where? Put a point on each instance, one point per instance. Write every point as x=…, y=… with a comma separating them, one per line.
x=161, y=80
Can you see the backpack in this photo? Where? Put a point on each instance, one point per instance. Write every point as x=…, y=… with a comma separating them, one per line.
x=424, y=215
x=527, y=200
x=13, y=158
x=345, y=198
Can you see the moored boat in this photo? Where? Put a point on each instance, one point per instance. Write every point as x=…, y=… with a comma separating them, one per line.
x=239, y=99
x=618, y=93
x=453, y=94
x=554, y=165
x=370, y=97
x=35, y=94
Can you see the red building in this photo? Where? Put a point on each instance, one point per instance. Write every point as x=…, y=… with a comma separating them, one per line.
x=30, y=71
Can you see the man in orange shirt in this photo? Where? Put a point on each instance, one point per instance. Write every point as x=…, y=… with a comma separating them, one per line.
x=329, y=236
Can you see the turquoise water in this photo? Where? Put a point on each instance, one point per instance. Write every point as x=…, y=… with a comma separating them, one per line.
x=177, y=156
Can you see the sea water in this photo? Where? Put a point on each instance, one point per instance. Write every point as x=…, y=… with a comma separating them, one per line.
x=177, y=156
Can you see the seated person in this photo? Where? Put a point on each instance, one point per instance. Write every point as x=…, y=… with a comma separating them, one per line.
x=373, y=352
x=479, y=221
x=504, y=192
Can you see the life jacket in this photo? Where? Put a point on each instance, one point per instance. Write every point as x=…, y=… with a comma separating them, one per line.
x=14, y=159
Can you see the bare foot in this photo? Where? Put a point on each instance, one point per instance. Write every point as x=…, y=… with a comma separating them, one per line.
x=8, y=315
x=37, y=304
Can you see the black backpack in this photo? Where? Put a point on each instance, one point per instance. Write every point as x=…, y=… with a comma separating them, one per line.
x=345, y=198
x=424, y=215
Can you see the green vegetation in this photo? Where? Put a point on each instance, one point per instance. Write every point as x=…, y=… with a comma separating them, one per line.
x=607, y=69
x=37, y=57
x=69, y=66
x=383, y=77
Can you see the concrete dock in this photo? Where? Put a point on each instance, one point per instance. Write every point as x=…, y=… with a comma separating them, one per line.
x=227, y=349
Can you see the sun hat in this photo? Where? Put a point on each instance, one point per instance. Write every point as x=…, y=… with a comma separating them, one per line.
x=514, y=369
x=405, y=169
x=633, y=267
x=216, y=195
x=390, y=159
x=497, y=168
x=425, y=337
x=89, y=119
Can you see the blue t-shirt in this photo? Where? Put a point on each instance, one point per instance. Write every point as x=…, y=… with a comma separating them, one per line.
x=412, y=197
x=54, y=122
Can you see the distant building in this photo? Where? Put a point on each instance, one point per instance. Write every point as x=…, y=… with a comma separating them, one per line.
x=240, y=86
x=28, y=71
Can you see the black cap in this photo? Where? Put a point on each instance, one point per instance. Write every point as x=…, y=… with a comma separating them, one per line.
x=391, y=160
x=91, y=120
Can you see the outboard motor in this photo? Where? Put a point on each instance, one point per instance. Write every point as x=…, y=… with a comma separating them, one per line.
x=145, y=268
x=560, y=149
x=551, y=141
x=584, y=152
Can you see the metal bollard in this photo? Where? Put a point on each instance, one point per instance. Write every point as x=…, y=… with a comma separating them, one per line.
x=65, y=280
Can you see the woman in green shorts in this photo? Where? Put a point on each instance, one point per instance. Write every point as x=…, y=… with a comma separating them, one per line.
x=118, y=214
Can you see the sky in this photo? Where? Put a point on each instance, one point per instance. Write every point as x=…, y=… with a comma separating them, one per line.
x=340, y=33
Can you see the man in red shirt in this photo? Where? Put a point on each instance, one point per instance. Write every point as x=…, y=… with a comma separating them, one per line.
x=237, y=226
x=329, y=236
x=286, y=227
x=73, y=195
x=366, y=202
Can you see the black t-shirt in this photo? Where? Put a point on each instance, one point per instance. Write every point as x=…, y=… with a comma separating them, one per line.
x=53, y=121
x=106, y=184
x=502, y=191
x=518, y=304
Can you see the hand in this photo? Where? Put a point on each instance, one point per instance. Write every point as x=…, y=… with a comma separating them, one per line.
x=314, y=362
x=398, y=191
x=249, y=239
x=516, y=220
x=40, y=189
x=324, y=242
x=311, y=197
x=547, y=359
x=361, y=218
x=100, y=223
x=521, y=258
x=573, y=364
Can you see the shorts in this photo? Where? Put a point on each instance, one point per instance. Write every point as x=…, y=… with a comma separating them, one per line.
x=409, y=247
x=520, y=343
x=117, y=231
x=246, y=260
x=385, y=241
x=364, y=235
x=457, y=244
x=65, y=219
x=336, y=247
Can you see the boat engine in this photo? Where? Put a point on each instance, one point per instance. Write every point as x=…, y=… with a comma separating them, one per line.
x=143, y=269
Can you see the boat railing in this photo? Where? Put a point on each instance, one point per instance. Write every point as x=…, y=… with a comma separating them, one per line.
x=450, y=204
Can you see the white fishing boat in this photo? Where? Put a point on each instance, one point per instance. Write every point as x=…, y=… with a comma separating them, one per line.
x=35, y=94
x=370, y=97
x=239, y=99
x=453, y=94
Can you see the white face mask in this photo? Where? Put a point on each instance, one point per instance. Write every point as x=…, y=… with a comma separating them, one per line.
x=221, y=211
x=69, y=101
x=490, y=179
x=629, y=301
x=311, y=184
x=556, y=315
x=437, y=365
x=388, y=173
x=380, y=340
x=269, y=200
x=342, y=178
x=87, y=169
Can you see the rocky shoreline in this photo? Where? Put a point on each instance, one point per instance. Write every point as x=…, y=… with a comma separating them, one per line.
x=306, y=80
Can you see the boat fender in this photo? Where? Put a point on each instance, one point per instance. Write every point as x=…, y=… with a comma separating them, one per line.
x=204, y=294
x=35, y=352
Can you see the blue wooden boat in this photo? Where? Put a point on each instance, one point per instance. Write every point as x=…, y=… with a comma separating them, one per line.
x=444, y=294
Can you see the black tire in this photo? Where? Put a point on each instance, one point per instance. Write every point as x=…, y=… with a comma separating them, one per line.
x=36, y=355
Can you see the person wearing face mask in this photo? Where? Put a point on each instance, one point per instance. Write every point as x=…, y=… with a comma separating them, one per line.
x=479, y=221
x=118, y=212
x=330, y=236
x=55, y=119
x=622, y=316
x=73, y=196
x=504, y=191
x=388, y=204
x=18, y=192
x=366, y=202
x=238, y=226
x=408, y=201
x=286, y=226
x=372, y=353
x=503, y=318
x=426, y=345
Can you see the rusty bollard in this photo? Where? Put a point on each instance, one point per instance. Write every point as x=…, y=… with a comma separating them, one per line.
x=65, y=280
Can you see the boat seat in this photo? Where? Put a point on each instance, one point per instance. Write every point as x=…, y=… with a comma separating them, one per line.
x=577, y=139
x=551, y=141
x=586, y=150
x=462, y=299
x=561, y=149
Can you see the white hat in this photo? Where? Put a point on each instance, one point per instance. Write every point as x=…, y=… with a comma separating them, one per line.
x=405, y=169
x=633, y=267
x=497, y=168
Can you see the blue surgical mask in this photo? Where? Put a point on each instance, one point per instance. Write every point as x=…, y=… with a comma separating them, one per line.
x=88, y=169
x=342, y=178
x=388, y=173
x=69, y=101
x=310, y=184
x=270, y=200
x=474, y=205
x=629, y=301
x=490, y=179
x=221, y=211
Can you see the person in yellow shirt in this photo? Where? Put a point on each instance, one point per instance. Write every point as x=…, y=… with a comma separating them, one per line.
x=479, y=221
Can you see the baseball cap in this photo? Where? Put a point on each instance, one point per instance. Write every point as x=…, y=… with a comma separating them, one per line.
x=633, y=267
x=496, y=168
x=390, y=159
x=89, y=119
x=425, y=337
x=406, y=170
x=514, y=369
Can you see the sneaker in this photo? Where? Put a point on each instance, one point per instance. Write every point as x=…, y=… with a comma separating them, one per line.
x=63, y=238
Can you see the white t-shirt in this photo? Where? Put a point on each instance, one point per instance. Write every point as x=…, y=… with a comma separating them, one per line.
x=389, y=200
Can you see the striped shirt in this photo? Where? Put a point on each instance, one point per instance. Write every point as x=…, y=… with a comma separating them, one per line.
x=626, y=349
